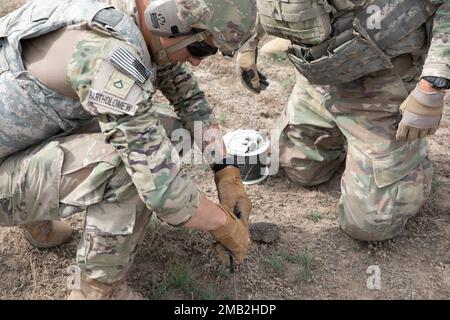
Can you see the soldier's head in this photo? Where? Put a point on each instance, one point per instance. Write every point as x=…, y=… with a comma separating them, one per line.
x=200, y=28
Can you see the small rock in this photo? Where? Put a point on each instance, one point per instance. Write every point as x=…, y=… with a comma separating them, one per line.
x=264, y=232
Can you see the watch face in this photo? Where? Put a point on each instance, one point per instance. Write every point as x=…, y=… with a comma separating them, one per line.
x=442, y=83
x=438, y=82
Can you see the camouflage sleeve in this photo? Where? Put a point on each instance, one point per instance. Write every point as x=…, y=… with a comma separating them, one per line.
x=182, y=90
x=122, y=104
x=438, y=60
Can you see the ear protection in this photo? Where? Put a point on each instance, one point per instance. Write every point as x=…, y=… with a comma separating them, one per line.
x=162, y=20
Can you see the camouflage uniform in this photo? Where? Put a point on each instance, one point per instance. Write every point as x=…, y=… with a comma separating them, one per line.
x=385, y=181
x=49, y=171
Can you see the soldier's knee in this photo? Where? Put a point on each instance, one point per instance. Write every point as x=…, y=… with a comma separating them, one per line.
x=304, y=178
x=363, y=222
x=112, y=232
x=368, y=230
x=309, y=173
x=310, y=165
x=376, y=214
x=380, y=194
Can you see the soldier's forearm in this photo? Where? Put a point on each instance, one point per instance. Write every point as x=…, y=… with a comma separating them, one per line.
x=438, y=60
x=183, y=92
x=207, y=217
x=210, y=140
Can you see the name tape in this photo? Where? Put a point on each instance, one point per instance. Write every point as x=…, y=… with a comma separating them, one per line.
x=112, y=103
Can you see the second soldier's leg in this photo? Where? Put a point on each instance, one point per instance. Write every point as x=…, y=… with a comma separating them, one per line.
x=311, y=145
x=386, y=181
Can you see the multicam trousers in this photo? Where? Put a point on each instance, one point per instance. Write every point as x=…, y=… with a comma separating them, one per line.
x=72, y=174
x=385, y=181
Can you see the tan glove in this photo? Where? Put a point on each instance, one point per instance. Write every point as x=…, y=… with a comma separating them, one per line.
x=251, y=78
x=233, y=237
x=422, y=113
x=231, y=192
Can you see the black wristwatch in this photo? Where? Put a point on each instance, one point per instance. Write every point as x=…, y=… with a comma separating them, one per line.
x=438, y=82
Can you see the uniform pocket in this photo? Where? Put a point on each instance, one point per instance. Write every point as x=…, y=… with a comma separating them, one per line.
x=406, y=175
x=107, y=242
x=380, y=193
x=87, y=152
x=29, y=187
x=42, y=181
x=111, y=219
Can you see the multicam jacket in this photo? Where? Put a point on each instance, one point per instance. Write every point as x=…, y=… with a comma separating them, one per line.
x=114, y=77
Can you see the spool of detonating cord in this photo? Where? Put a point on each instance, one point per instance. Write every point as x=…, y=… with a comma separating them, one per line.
x=250, y=149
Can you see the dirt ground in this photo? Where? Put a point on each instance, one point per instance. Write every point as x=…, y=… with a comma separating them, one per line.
x=313, y=259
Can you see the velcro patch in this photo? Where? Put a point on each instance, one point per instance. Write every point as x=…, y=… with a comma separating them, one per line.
x=111, y=103
x=126, y=62
x=119, y=84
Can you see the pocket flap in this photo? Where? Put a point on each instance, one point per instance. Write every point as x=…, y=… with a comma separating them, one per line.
x=83, y=150
x=41, y=12
x=111, y=219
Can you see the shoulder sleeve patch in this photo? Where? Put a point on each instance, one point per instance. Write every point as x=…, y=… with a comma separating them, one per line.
x=119, y=84
x=113, y=92
x=126, y=62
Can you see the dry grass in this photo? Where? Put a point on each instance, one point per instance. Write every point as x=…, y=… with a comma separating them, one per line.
x=8, y=6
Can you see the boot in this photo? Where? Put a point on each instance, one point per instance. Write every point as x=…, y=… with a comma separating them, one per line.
x=47, y=233
x=275, y=46
x=95, y=290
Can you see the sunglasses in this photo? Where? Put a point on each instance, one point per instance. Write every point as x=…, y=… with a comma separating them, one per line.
x=201, y=50
x=196, y=46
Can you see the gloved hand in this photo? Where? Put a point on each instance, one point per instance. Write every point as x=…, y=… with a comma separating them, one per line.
x=252, y=79
x=422, y=112
x=233, y=237
x=231, y=191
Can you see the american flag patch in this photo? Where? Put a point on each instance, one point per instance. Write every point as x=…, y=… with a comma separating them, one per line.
x=124, y=60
